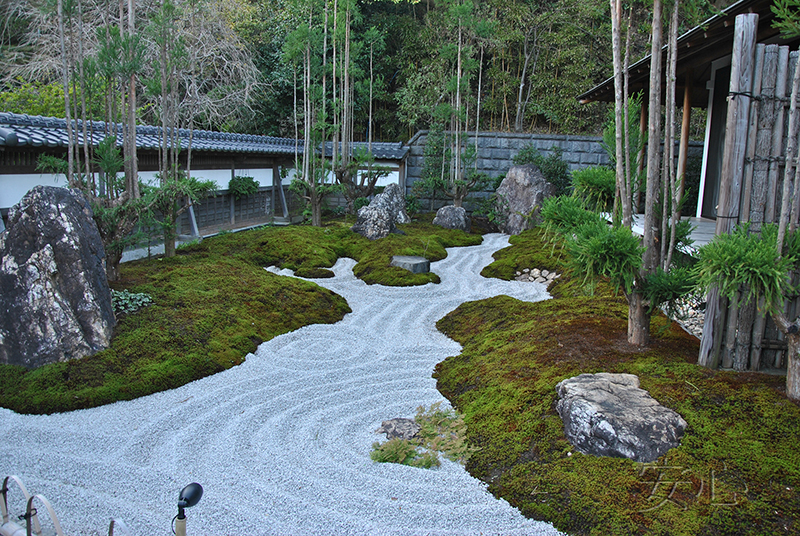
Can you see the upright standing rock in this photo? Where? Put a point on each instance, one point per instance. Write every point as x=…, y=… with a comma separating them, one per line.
x=520, y=195
x=378, y=219
x=55, y=303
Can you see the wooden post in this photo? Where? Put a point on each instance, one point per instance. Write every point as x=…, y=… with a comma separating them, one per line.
x=683, y=150
x=750, y=151
x=776, y=151
x=276, y=177
x=763, y=141
x=233, y=206
x=742, y=62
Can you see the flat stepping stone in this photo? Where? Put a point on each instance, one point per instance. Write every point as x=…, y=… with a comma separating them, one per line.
x=412, y=263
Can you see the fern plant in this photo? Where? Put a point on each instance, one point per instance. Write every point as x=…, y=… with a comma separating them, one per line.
x=242, y=186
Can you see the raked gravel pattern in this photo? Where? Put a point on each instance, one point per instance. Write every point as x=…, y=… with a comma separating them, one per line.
x=280, y=443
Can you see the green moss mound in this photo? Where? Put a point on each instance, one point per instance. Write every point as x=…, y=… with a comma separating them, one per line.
x=208, y=313
x=213, y=304
x=736, y=472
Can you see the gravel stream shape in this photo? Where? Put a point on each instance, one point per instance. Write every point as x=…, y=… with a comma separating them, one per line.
x=281, y=442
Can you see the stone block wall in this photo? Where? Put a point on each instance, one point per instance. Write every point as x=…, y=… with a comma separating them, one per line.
x=497, y=149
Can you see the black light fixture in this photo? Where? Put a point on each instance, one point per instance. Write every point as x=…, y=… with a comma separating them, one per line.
x=188, y=497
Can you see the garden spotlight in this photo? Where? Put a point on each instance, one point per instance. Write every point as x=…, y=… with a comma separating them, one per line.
x=189, y=496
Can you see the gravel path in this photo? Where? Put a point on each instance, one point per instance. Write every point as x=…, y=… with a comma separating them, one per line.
x=280, y=443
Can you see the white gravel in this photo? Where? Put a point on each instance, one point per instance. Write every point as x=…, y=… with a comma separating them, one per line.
x=280, y=443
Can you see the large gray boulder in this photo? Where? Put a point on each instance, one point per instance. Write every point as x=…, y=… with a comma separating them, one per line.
x=519, y=197
x=55, y=303
x=451, y=217
x=378, y=219
x=609, y=415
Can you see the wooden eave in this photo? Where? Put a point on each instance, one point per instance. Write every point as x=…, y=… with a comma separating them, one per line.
x=697, y=49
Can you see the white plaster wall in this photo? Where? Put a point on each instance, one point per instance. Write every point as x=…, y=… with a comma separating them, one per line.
x=14, y=187
x=220, y=176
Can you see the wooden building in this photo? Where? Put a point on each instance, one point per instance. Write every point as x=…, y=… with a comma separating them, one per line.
x=216, y=156
x=739, y=68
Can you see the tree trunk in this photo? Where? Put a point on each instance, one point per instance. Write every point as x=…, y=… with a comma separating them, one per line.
x=793, y=366
x=638, y=320
x=113, y=258
x=315, y=200
x=169, y=231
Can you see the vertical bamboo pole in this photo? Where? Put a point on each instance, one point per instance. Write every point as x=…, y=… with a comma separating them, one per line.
x=777, y=134
x=742, y=62
x=750, y=151
x=761, y=186
x=741, y=323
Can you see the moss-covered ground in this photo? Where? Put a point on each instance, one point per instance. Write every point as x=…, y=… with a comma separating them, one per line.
x=213, y=304
x=737, y=471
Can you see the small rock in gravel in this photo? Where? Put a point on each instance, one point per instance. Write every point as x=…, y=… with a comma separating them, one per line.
x=399, y=428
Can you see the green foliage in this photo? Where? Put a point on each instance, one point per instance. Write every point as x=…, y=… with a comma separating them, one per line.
x=127, y=302
x=492, y=208
x=564, y=214
x=636, y=140
x=662, y=287
x=242, y=186
x=56, y=165
x=552, y=166
x=403, y=452
x=360, y=202
x=39, y=98
x=441, y=431
x=170, y=199
x=749, y=262
x=412, y=205
x=529, y=154
x=787, y=17
x=599, y=250
x=596, y=185
x=740, y=436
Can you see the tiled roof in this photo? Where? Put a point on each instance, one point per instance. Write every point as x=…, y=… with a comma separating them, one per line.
x=380, y=150
x=34, y=131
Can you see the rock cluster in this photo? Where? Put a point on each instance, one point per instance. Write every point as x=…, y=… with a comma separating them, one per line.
x=536, y=275
x=54, y=296
x=378, y=219
x=609, y=415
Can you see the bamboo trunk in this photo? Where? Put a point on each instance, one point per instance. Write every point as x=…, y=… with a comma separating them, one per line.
x=742, y=63
x=776, y=150
x=763, y=141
